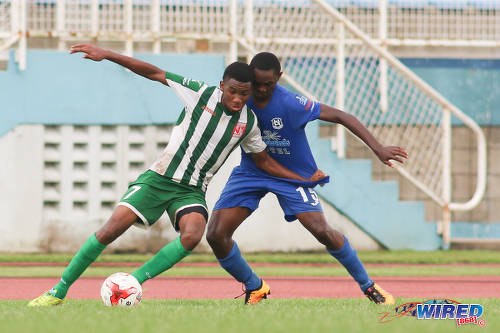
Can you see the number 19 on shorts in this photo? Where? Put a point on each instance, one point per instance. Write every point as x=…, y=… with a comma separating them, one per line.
x=312, y=198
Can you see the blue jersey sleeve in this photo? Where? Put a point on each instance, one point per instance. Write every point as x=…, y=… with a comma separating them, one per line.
x=302, y=110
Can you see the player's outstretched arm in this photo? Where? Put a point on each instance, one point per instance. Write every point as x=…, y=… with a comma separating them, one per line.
x=137, y=66
x=271, y=166
x=384, y=153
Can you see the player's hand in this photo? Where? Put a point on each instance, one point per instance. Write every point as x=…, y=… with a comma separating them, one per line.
x=388, y=153
x=318, y=175
x=92, y=52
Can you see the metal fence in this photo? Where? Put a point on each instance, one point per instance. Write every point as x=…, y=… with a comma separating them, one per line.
x=325, y=54
x=408, y=22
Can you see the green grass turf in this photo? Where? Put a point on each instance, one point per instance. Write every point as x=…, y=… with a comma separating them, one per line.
x=274, y=315
x=334, y=270
x=410, y=257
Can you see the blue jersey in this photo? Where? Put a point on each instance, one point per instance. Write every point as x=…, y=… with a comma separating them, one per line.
x=282, y=122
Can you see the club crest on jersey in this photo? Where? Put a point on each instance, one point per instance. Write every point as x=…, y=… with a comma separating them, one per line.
x=239, y=129
x=277, y=123
x=209, y=110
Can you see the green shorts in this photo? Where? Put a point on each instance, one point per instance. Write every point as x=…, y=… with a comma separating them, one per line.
x=152, y=194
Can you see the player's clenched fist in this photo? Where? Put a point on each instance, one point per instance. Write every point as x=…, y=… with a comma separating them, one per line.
x=92, y=52
x=318, y=175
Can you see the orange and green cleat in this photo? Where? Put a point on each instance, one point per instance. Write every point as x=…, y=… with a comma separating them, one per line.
x=378, y=295
x=47, y=299
x=255, y=296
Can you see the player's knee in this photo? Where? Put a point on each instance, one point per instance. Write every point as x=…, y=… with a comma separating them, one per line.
x=324, y=235
x=215, y=233
x=212, y=236
x=191, y=239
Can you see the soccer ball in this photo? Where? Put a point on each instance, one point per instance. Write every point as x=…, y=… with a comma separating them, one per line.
x=121, y=289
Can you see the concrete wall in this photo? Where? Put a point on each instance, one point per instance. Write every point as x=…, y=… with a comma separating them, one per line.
x=61, y=183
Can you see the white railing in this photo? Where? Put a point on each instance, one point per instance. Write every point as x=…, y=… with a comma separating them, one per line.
x=409, y=22
x=323, y=52
x=391, y=100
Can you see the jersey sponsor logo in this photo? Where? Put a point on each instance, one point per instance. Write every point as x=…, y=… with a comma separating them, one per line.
x=273, y=139
x=209, y=110
x=308, y=104
x=186, y=82
x=277, y=123
x=278, y=150
x=239, y=129
x=302, y=100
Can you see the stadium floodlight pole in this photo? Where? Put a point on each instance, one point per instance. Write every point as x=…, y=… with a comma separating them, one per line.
x=437, y=97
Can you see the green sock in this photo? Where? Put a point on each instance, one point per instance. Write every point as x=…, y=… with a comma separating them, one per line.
x=168, y=256
x=87, y=254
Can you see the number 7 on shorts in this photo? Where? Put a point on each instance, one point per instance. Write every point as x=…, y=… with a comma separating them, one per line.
x=133, y=189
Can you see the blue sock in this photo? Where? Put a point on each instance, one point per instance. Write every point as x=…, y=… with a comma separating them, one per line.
x=347, y=256
x=236, y=265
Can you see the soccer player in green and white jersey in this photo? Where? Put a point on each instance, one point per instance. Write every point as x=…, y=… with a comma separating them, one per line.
x=214, y=121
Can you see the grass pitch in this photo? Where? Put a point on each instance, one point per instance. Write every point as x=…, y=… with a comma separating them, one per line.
x=273, y=315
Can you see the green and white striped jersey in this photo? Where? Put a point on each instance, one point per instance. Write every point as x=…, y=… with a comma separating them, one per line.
x=205, y=134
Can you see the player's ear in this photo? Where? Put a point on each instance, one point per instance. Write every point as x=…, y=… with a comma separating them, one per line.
x=221, y=85
x=279, y=76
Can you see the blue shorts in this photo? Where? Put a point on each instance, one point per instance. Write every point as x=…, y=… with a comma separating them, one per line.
x=245, y=189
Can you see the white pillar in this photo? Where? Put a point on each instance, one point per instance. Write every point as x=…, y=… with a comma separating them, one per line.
x=383, y=63
x=129, y=42
x=155, y=25
x=14, y=16
x=233, y=47
x=94, y=18
x=21, y=50
x=340, y=86
x=446, y=183
x=60, y=24
x=249, y=19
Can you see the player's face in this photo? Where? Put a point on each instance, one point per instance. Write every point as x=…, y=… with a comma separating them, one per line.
x=264, y=83
x=235, y=94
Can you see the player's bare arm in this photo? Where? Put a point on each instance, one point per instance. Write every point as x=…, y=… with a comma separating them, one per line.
x=384, y=153
x=268, y=164
x=137, y=66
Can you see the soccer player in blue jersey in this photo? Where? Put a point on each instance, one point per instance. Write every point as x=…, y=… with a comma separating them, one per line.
x=283, y=116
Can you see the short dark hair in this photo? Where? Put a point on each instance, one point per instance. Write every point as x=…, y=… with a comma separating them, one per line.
x=265, y=61
x=239, y=71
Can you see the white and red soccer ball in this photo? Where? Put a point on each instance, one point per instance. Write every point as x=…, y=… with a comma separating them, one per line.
x=121, y=289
